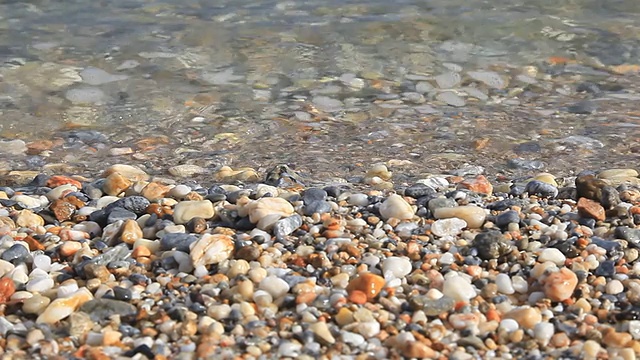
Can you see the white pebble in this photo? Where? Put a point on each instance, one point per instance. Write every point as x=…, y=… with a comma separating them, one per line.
x=396, y=266
x=505, y=285
x=42, y=262
x=5, y=267
x=520, y=285
x=396, y=207
x=543, y=332
x=179, y=191
x=40, y=284
x=361, y=200
x=446, y=259
x=552, y=254
x=458, y=288
x=448, y=227
x=67, y=289
x=509, y=325
x=614, y=287
x=274, y=286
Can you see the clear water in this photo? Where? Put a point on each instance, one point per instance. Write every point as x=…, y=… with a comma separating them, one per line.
x=239, y=83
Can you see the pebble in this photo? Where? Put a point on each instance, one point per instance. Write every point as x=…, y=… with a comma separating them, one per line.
x=275, y=286
x=505, y=286
x=450, y=98
x=614, y=287
x=474, y=216
x=526, y=317
x=128, y=266
x=397, y=267
x=457, y=288
x=543, y=332
x=184, y=211
x=491, y=245
x=559, y=285
x=540, y=188
x=396, y=207
x=448, y=227
x=367, y=283
x=261, y=208
x=591, y=209
x=479, y=184
x=553, y=255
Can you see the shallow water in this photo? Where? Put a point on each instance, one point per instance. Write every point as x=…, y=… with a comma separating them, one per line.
x=328, y=86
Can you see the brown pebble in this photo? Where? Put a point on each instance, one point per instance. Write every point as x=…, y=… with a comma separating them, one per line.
x=615, y=339
x=590, y=209
x=588, y=186
x=7, y=288
x=141, y=251
x=248, y=253
x=62, y=209
x=58, y=180
x=115, y=184
x=97, y=271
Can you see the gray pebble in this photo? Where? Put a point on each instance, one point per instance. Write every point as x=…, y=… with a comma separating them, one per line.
x=16, y=254
x=287, y=226
x=102, y=309
x=537, y=187
x=178, y=241
x=490, y=245
x=507, y=217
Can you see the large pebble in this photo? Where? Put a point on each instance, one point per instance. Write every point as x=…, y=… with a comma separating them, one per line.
x=396, y=207
x=187, y=210
x=505, y=285
x=543, y=189
x=61, y=308
x=259, y=209
x=211, y=249
x=473, y=215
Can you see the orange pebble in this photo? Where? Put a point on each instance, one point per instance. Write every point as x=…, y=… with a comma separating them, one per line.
x=58, y=180
x=7, y=288
x=368, y=283
x=141, y=251
x=493, y=314
x=358, y=297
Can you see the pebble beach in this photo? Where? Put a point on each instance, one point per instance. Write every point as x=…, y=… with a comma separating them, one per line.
x=262, y=266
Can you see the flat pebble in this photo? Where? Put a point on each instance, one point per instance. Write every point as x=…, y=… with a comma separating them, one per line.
x=474, y=216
